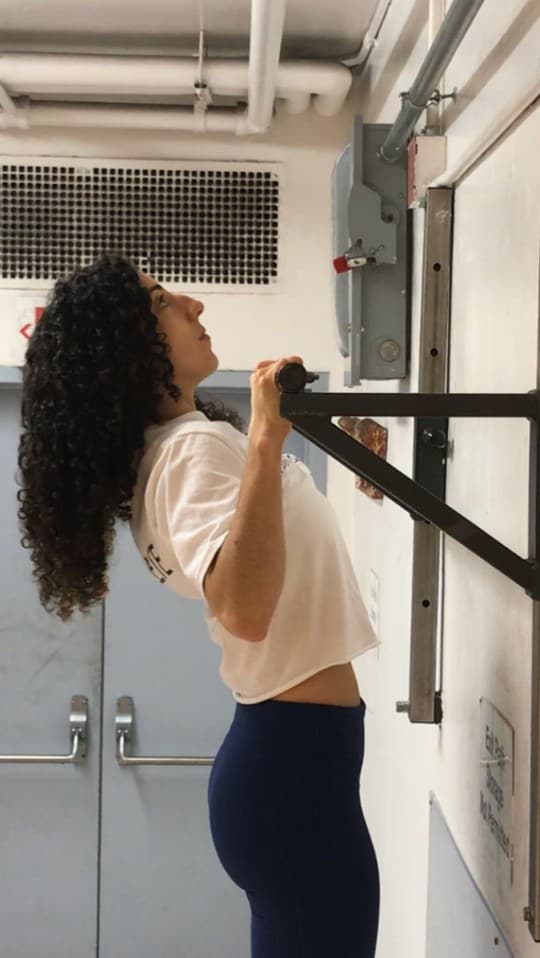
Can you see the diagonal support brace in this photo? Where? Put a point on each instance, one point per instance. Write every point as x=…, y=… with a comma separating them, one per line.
x=311, y=415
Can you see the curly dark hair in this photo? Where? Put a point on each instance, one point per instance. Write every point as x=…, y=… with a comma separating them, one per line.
x=95, y=371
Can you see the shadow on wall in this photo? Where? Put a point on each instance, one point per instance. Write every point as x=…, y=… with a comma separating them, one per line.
x=396, y=62
x=518, y=29
x=400, y=55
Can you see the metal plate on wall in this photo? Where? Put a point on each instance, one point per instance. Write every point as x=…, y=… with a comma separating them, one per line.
x=372, y=301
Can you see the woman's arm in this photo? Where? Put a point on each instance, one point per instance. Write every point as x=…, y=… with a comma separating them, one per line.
x=245, y=579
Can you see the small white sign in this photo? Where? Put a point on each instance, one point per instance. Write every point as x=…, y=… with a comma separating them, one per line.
x=497, y=786
x=17, y=326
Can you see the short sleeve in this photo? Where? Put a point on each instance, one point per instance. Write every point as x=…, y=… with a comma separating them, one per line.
x=196, y=495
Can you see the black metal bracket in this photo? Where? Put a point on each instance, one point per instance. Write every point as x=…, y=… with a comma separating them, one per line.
x=430, y=450
x=310, y=415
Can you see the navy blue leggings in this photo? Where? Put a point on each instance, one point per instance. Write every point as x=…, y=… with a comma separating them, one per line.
x=288, y=828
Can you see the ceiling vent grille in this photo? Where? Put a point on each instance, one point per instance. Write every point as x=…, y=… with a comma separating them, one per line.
x=205, y=225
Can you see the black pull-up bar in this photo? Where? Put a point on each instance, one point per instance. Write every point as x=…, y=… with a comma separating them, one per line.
x=310, y=415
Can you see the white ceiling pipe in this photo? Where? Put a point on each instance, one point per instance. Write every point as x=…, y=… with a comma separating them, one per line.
x=52, y=75
x=6, y=102
x=332, y=83
x=129, y=117
x=265, y=37
x=297, y=103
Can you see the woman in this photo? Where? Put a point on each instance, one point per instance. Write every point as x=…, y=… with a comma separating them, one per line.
x=113, y=428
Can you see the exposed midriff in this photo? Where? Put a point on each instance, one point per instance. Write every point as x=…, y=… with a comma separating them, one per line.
x=335, y=685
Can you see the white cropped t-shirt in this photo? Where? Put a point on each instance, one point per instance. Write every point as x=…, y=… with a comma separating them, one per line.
x=182, y=508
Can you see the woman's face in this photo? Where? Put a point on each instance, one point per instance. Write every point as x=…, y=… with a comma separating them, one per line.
x=179, y=319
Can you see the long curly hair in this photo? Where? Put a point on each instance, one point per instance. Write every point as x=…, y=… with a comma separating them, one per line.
x=95, y=371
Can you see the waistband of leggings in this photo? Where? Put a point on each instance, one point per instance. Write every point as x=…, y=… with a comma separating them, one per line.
x=302, y=724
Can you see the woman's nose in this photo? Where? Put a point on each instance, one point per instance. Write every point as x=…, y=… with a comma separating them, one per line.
x=193, y=307
x=197, y=308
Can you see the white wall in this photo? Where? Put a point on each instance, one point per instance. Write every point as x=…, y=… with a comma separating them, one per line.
x=487, y=619
x=244, y=328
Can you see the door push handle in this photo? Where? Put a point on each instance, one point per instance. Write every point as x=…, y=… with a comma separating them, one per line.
x=78, y=727
x=125, y=734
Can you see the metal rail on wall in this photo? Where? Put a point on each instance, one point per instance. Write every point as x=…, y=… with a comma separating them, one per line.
x=310, y=415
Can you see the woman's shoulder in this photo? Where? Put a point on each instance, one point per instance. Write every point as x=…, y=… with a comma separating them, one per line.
x=191, y=435
x=193, y=423
x=197, y=442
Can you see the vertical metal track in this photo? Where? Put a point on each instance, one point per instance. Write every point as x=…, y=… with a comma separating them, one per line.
x=532, y=912
x=424, y=701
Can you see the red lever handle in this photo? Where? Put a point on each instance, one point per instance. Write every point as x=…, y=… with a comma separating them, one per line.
x=341, y=265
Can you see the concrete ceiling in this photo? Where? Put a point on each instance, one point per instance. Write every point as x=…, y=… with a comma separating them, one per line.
x=313, y=28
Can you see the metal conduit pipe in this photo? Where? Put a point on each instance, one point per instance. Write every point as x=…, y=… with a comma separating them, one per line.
x=451, y=33
x=358, y=62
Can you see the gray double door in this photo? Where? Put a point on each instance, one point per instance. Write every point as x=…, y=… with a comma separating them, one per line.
x=98, y=858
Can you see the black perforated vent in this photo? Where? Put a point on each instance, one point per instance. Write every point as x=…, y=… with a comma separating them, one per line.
x=199, y=224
